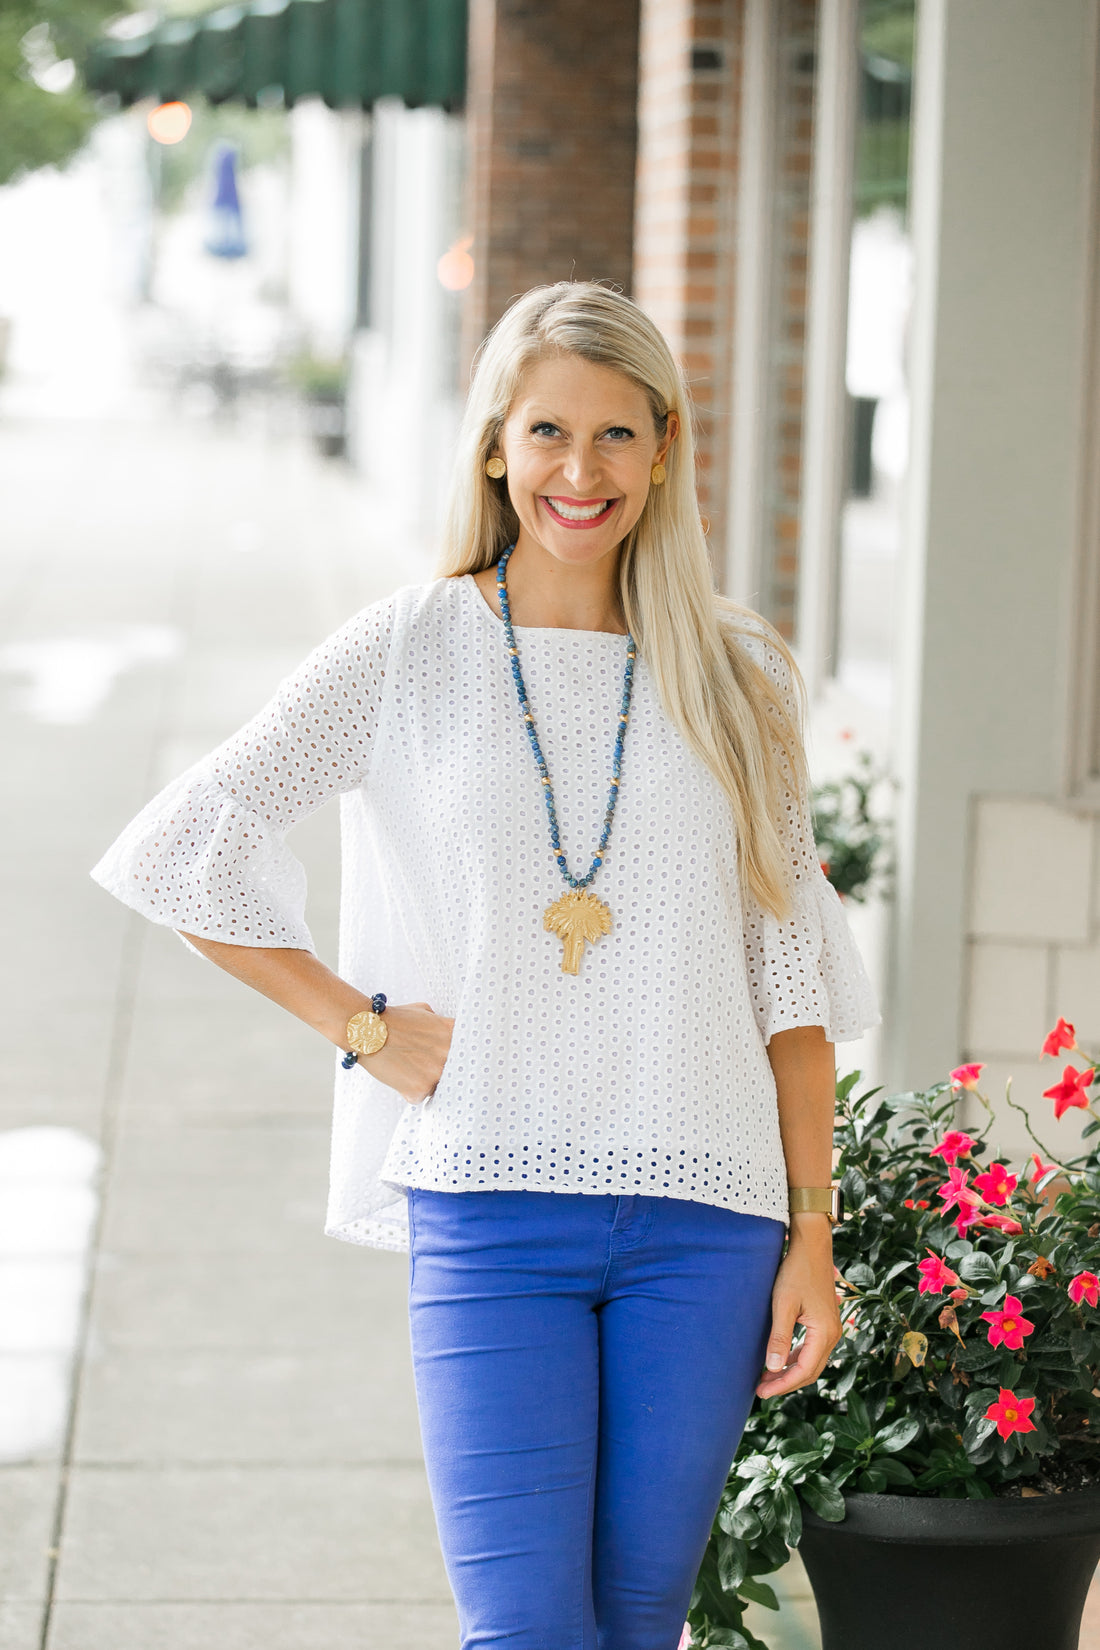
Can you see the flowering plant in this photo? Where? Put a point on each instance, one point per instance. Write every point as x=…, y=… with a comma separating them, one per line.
x=969, y=1363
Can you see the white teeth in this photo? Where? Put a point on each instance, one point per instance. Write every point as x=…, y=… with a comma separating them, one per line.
x=574, y=512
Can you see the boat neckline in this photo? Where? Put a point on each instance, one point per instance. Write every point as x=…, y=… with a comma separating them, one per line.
x=537, y=629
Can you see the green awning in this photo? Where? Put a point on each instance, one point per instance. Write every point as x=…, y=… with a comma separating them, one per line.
x=349, y=52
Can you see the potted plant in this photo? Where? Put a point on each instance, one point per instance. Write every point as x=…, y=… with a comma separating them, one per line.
x=851, y=839
x=942, y=1477
x=323, y=383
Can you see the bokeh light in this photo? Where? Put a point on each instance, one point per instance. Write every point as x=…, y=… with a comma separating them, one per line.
x=456, y=267
x=169, y=122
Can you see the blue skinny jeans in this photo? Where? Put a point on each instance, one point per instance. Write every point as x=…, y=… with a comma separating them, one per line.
x=585, y=1365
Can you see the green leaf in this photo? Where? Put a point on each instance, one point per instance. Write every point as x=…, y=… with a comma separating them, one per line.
x=759, y=1593
x=858, y=1415
x=872, y=1481
x=898, y=1434
x=977, y=1267
x=825, y=1499
x=733, y=1559
x=895, y=1472
x=976, y=1431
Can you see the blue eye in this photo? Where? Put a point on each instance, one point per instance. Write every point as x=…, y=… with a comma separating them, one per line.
x=543, y=424
x=622, y=430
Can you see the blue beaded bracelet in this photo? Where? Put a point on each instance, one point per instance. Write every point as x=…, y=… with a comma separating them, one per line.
x=378, y=1004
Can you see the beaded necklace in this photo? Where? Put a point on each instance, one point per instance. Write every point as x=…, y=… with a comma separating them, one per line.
x=578, y=916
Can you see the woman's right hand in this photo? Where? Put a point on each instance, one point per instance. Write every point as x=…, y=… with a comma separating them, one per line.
x=412, y=1058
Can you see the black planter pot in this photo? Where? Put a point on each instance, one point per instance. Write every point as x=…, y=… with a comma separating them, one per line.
x=911, y=1573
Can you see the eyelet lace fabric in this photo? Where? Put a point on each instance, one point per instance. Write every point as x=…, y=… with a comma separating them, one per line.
x=647, y=1071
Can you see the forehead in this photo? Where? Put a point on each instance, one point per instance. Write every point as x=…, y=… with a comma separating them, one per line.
x=577, y=388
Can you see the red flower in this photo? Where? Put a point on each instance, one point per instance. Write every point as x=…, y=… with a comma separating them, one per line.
x=935, y=1275
x=967, y=1216
x=1063, y=1036
x=955, y=1190
x=1071, y=1090
x=825, y=867
x=996, y=1184
x=1008, y=1325
x=916, y=1203
x=1085, y=1286
x=1003, y=1223
x=1011, y=1414
x=954, y=1144
x=959, y=1294
x=1041, y=1168
x=966, y=1077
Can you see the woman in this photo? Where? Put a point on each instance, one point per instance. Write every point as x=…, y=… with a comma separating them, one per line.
x=589, y=981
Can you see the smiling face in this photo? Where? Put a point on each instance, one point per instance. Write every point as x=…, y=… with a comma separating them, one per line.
x=579, y=442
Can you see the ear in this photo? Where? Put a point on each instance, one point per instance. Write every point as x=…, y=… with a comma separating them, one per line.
x=672, y=430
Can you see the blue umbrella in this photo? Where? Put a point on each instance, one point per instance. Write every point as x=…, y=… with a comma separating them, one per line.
x=226, y=237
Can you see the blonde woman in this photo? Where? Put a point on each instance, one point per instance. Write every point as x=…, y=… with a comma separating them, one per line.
x=589, y=983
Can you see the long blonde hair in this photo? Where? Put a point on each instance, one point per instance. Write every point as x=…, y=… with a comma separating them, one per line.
x=724, y=704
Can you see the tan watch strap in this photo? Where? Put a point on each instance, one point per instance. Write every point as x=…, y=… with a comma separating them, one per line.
x=822, y=1200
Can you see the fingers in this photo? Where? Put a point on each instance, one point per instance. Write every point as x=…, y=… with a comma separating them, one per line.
x=807, y=1363
x=784, y=1314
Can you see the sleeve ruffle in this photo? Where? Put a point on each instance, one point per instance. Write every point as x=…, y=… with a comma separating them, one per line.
x=198, y=861
x=807, y=971
x=208, y=854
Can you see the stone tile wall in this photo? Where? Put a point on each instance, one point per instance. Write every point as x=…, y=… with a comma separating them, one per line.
x=1033, y=953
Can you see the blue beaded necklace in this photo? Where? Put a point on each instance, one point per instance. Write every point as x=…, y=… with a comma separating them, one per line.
x=578, y=916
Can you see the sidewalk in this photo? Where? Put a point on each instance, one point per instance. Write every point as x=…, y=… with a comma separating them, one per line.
x=243, y=1465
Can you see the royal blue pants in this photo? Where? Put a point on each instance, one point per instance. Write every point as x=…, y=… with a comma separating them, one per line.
x=584, y=1367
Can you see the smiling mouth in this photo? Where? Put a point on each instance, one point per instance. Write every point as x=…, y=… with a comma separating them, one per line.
x=579, y=512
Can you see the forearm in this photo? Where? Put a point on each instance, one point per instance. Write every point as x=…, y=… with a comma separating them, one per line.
x=804, y=1066
x=294, y=979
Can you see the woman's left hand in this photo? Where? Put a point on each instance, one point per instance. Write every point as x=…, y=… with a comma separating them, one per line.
x=804, y=1293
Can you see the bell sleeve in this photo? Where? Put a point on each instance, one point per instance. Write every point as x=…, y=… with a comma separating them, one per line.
x=805, y=971
x=208, y=854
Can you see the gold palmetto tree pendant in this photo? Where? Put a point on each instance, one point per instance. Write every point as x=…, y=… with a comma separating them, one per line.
x=575, y=918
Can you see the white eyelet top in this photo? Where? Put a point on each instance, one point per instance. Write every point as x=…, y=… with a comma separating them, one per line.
x=644, y=1073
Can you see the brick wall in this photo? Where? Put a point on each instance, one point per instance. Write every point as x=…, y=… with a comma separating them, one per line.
x=686, y=241
x=552, y=123
x=685, y=219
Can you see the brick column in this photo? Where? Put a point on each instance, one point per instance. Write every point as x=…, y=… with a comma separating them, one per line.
x=685, y=217
x=688, y=232
x=552, y=122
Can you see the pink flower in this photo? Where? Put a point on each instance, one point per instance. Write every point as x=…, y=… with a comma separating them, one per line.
x=955, y=1190
x=1003, y=1223
x=954, y=1144
x=959, y=1294
x=1011, y=1414
x=685, y=1638
x=1041, y=1168
x=1063, y=1036
x=1071, y=1090
x=935, y=1275
x=966, y=1077
x=996, y=1184
x=967, y=1216
x=1008, y=1325
x=1085, y=1286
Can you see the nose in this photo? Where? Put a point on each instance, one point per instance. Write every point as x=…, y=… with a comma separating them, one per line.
x=582, y=470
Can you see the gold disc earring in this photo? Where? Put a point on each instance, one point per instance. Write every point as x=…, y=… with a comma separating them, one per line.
x=495, y=467
x=657, y=474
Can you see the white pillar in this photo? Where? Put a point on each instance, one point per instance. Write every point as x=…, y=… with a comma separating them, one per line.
x=324, y=222
x=1001, y=225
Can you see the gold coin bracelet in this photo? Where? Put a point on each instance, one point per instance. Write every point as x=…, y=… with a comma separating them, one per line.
x=366, y=1031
